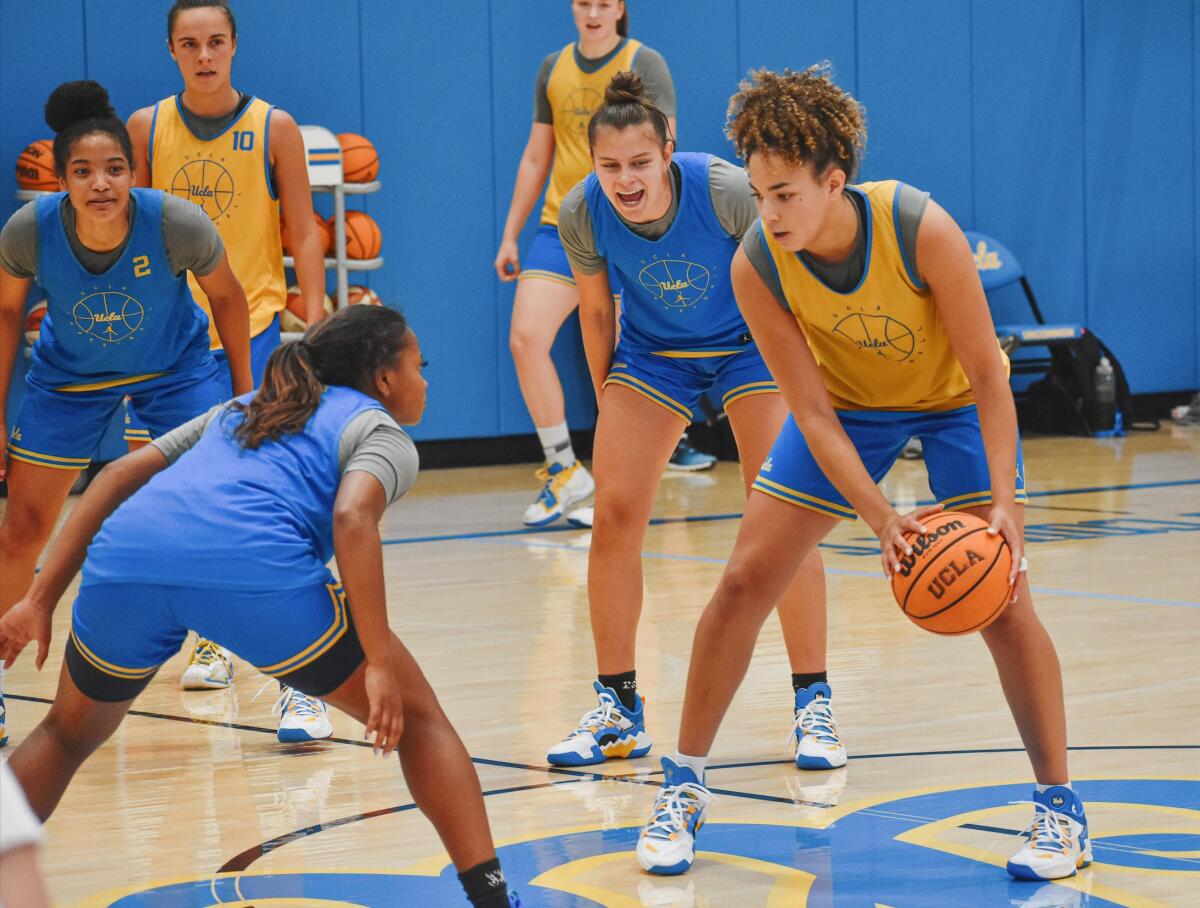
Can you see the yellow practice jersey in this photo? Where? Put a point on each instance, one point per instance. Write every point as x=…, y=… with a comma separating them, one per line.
x=882, y=345
x=574, y=95
x=229, y=176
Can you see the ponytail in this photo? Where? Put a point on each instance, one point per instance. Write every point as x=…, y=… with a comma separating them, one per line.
x=627, y=104
x=349, y=348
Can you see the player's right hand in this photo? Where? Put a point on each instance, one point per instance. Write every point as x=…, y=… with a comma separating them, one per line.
x=508, y=261
x=892, y=544
x=386, y=719
x=25, y=621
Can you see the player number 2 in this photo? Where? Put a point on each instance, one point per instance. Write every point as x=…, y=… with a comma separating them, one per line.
x=141, y=266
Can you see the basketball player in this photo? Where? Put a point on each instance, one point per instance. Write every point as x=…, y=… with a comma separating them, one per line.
x=570, y=85
x=823, y=248
x=327, y=417
x=240, y=159
x=681, y=335
x=113, y=261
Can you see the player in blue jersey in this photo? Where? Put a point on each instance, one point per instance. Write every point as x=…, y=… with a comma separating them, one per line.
x=246, y=504
x=668, y=224
x=113, y=262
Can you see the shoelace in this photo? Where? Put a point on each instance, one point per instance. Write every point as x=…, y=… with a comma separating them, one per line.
x=671, y=805
x=206, y=653
x=604, y=714
x=1050, y=830
x=816, y=719
x=297, y=703
x=548, y=496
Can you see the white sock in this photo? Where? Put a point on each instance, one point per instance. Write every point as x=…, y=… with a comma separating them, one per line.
x=695, y=764
x=1042, y=788
x=556, y=444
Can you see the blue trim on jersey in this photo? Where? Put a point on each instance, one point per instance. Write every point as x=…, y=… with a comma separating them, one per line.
x=150, y=147
x=908, y=266
x=866, y=259
x=270, y=178
x=232, y=123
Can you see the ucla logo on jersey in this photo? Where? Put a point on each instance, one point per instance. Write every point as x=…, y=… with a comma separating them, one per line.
x=205, y=182
x=677, y=283
x=109, y=315
x=881, y=335
x=577, y=110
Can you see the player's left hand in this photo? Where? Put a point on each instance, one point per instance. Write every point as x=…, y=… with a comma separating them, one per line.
x=1002, y=521
x=25, y=621
x=386, y=719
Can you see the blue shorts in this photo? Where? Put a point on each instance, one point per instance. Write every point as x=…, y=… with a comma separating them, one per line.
x=262, y=345
x=122, y=632
x=546, y=259
x=62, y=429
x=953, y=449
x=676, y=382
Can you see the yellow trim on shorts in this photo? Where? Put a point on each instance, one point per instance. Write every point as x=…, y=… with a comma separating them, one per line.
x=754, y=387
x=322, y=644
x=804, y=500
x=114, y=383
x=975, y=499
x=553, y=276
x=136, y=435
x=114, y=671
x=650, y=393
x=694, y=354
x=48, y=460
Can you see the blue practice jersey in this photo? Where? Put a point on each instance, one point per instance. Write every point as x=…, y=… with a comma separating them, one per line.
x=228, y=517
x=677, y=298
x=134, y=321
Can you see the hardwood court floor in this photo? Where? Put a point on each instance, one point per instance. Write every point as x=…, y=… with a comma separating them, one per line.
x=194, y=803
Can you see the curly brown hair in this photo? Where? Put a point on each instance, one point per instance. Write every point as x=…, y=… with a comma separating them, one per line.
x=803, y=117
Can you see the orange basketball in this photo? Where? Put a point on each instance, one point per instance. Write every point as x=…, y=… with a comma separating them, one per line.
x=35, y=166
x=363, y=238
x=292, y=317
x=357, y=294
x=33, y=322
x=956, y=579
x=360, y=160
x=323, y=229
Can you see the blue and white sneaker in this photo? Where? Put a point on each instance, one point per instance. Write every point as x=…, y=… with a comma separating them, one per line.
x=514, y=900
x=301, y=718
x=814, y=730
x=563, y=487
x=687, y=459
x=667, y=845
x=1057, y=840
x=608, y=732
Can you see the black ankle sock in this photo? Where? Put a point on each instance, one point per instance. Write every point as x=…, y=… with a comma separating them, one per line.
x=799, y=681
x=485, y=885
x=625, y=684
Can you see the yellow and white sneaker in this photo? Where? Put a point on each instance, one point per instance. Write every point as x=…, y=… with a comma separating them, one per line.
x=210, y=667
x=814, y=730
x=301, y=718
x=1057, y=843
x=667, y=845
x=563, y=487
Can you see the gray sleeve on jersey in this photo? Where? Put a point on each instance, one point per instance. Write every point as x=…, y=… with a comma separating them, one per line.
x=373, y=443
x=652, y=68
x=729, y=187
x=911, y=209
x=18, y=242
x=755, y=247
x=541, y=103
x=193, y=243
x=179, y=440
x=575, y=231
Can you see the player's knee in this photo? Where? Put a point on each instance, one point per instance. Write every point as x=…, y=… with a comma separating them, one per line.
x=739, y=593
x=26, y=525
x=616, y=523
x=526, y=343
x=70, y=738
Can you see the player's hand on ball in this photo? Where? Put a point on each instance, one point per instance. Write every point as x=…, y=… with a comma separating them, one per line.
x=386, y=721
x=25, y=621
x=892, y=544
x=1002, y=520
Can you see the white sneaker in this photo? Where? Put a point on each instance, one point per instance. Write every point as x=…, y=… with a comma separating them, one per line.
x=814, y=730
x=210, y=667
x=608, y=732
x=301, y=717
x=667, y=845
x=581, y=517
x=1058, y=843
x=564, y=486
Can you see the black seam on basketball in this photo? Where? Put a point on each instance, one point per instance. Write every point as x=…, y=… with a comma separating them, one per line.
x=913, y=585
x=945, y=608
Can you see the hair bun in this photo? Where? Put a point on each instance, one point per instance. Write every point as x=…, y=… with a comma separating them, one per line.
x=72, y=102
x=625, y=88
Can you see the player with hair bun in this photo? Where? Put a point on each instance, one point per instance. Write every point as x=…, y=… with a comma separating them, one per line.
x=868, y=308
x=114, y=263
x=667, y=224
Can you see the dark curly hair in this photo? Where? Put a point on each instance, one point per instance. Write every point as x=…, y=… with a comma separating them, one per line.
x=77, y=109
x=803, y=117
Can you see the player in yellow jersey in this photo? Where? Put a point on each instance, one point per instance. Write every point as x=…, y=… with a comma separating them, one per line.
x=569, y=87
x=875, y=333
x=241, y=160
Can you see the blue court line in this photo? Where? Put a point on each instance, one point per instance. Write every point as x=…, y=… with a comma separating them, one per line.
x=702, y=518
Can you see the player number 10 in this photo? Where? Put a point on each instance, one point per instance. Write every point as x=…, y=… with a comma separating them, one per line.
x=243, y=140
